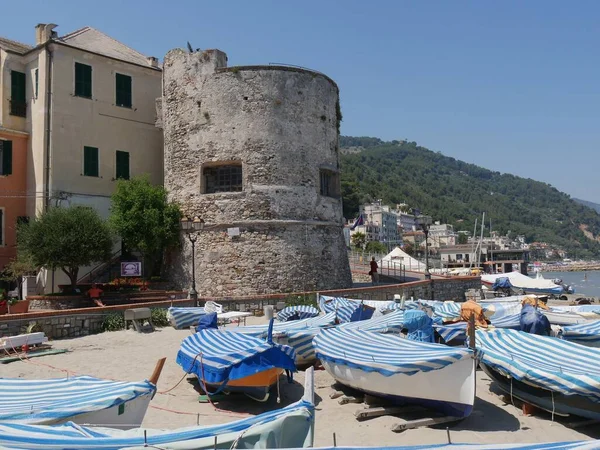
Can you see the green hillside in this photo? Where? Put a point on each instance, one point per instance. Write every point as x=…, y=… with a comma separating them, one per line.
x=457, y=192
x=592, y=205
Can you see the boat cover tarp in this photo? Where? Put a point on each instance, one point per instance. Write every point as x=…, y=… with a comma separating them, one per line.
x=583, y=333
x=208, y=321
x=291, y=426
x=501, y=283
x=458, y=330
x=184, y=317
x=580, y=309
x=346, y=308
x=387, y=354
x=284, y=327
x=298, y=312
x=520, y=281
x=419, y=326
x=301, y=338
x=219, y=356
x=39, y=401
x=542, y=361
x=534, y=321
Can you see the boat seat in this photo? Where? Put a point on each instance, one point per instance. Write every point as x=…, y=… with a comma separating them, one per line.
x=138, y=316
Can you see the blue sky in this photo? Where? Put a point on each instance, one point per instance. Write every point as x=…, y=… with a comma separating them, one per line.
x=512, y=86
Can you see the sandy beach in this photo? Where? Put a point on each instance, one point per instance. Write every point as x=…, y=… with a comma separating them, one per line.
x=127, y=355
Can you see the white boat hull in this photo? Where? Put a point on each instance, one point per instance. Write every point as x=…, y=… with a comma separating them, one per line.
x=125, y=416
x=566, y=318
x=450, y=389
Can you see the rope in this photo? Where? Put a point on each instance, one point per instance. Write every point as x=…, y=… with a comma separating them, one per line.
x=278, y=393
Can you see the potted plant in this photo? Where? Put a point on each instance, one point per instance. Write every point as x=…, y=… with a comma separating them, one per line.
x=16, y=306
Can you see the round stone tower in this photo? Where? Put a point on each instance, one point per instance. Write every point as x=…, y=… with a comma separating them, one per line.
x=253, y=151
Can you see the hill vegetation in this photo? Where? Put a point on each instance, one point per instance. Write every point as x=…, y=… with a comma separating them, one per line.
x=592, y=205
x=456, y=192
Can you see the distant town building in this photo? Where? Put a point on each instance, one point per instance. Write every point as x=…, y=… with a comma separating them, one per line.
x=382, y=218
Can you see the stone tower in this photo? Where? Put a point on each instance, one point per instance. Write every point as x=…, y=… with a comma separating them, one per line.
x=254, y=149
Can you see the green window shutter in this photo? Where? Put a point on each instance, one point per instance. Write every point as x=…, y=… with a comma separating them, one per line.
x=90, y=161
x=122, y=165
x=37, y=82
x=83, y=80
x=6, y=149
x=123, y=90
x=17, y=86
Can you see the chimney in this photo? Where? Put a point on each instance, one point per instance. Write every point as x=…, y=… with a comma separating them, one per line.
x=43, y=32
x=152, y=61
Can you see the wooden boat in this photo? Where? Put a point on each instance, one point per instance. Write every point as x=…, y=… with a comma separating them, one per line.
x=555, y=375
x=82, y=400
x=401, y=370
x=585, y=334
x=289, y=427
x=235, y=362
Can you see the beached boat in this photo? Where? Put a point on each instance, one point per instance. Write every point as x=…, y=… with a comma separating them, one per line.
x=401, y=370
x=297, y=312
x=81, y=399
x=288, y=427
x=553, y=374
x=586, y=333
x=557, y=317
x=520, y=282
x=351, y=310
x=180, y=318
x=235, y=362
x=456, y=333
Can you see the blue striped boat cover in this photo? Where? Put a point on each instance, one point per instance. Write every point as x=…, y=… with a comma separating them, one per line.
x=184, y=317
x=299, y=312
x=578, y=445
x=219, y=356
x=283, y=327
x=331, y=304
x=35, y=401
x=578, y=308
x=387, y=354
x=388, y=323
x=72, y=436
x=583, y=333
x=542, y=361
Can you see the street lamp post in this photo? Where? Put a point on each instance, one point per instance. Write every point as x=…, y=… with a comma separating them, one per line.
x=191, y=229
x=424, y=222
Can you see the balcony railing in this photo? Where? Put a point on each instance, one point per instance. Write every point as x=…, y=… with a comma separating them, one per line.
x=18, y=109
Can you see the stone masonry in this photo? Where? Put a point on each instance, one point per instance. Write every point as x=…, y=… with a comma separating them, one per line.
x=280, y=125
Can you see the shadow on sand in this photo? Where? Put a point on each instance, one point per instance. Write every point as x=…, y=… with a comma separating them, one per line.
x=237, y=402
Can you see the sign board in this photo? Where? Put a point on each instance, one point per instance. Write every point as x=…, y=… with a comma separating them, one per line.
x=233, y=231
x=131, y=269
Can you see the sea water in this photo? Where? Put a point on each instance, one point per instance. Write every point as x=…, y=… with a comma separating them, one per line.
x=585, y=283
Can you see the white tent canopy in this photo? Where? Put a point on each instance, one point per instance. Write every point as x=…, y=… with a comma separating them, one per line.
x=399, y=259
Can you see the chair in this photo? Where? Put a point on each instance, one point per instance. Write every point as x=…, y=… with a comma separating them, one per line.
x=211, y=307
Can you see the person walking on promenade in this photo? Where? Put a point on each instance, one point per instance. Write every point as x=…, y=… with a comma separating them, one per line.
x=95, y=292
x=373, y=272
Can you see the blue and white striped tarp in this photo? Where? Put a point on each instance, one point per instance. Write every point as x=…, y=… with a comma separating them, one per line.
x=283, y=327
x=39, y=401
x=297, y=312
x=219, y=356
x=542, y=361
x=583, y=333
x=388, y=323
x=184, y=317
x=290, y=426
x=387, y=354
x=346, y=307
x=458, y=331
x=591, y=309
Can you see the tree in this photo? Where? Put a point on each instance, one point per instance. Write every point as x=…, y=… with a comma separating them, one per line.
x=376, y=247
x=409, y=249
x=462, y=238
x=359, y=239
x=17, y=268
x=145, y=219
x=67, y=239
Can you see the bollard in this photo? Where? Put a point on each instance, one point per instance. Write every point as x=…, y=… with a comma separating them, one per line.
x=268, y=310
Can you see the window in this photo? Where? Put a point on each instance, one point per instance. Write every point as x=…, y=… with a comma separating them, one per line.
x=37, y=82
x=330, y=183
x=90, y=161
x=225, y=178
x=5, y=157
x=123, y=90
x=18, y=103
x=122, y=165
x=83, y=80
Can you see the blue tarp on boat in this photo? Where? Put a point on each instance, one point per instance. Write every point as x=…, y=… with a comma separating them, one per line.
x=542, y=361
x=350, y=310
x=298, y=312
x=387, y=354
x=218, y=356
x=35, y=401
